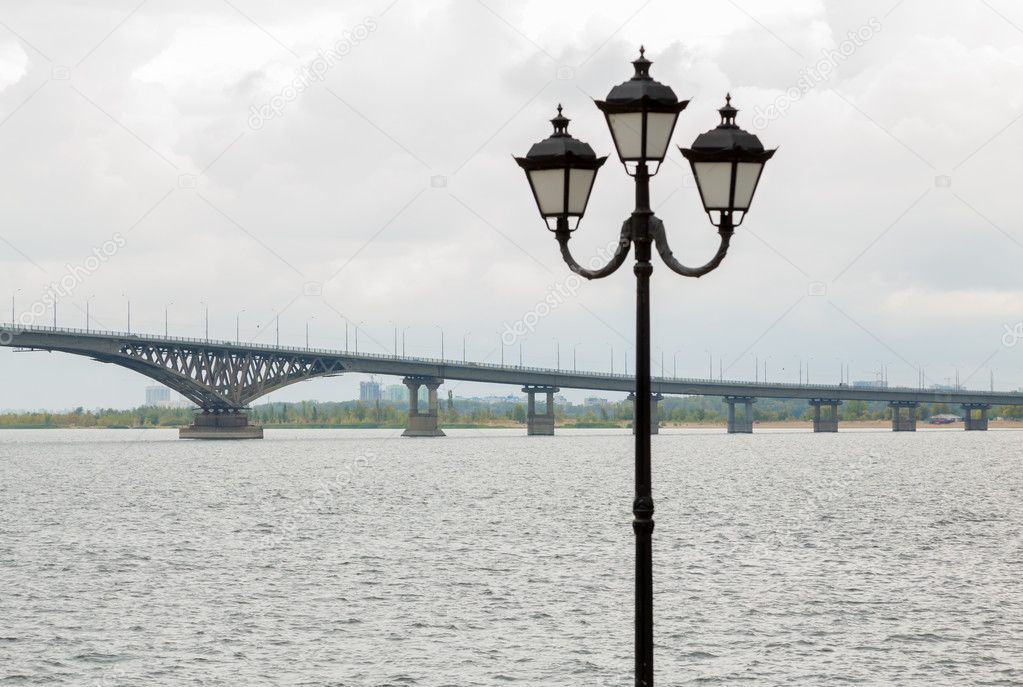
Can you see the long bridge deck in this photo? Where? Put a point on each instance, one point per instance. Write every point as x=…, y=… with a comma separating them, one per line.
x=227, y=376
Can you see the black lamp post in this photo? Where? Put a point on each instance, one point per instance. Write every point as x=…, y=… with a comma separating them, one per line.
x=727, y=161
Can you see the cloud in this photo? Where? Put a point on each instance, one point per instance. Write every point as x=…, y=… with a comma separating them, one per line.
x=13, y=64
x=452, y=90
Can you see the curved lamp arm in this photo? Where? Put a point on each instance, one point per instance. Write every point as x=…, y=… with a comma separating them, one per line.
x=562, y=234
x=660, y=238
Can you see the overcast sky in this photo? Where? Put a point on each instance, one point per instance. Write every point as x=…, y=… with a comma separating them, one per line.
x=353, y=160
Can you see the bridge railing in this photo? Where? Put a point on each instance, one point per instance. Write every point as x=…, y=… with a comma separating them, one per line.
x=824, y=388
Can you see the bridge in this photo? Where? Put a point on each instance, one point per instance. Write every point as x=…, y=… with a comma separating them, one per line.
x=223, y=378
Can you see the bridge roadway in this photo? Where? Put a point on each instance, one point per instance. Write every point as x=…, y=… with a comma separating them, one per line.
x=226, y=376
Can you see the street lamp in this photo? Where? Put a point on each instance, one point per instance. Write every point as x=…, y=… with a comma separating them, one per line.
x=464, y=338
x=727, y=161
x=575, y=368
x=87, y=301
x=395, y=324
x=15, y=293
x=313, y=317
x=128, y=299
x=206, y=314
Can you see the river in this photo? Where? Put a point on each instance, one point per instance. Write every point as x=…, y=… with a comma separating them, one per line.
x=487, y=557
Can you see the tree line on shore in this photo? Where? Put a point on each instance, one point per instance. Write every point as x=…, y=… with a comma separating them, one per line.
x=467, y=413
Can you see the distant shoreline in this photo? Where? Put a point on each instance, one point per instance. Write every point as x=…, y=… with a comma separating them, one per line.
x=773, y=424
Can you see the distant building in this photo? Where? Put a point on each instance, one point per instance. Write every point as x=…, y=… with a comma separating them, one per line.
x=157, y=395
x=369, y=392
x=595, y=401
x=396, y=393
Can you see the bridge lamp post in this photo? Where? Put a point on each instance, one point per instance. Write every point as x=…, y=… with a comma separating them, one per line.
x=166, y=310
x=557, y=352
x=206, y=313
x=575, y=368
x=308, y=319
x=403, y=339
x=441, y=341
x=464, y=339
x=674, y=364
x=395, y=325
x=727, y=162
x=87, y=301
x=13, y=295
x=238, y=326
x=128, y=299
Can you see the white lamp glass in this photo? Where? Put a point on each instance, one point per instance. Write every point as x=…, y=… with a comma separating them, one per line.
x=715, y=182
x=579, y=185
x=746, y=176
x=627, y=129
x=659, y=126
x=549, y=187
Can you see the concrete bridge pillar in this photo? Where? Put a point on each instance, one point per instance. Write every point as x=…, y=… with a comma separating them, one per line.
x=655, y=413
x=822, y=422
x=975, y=416
x=903, y=422
x=422, y=424
x=221, y=424
x=744, y=424
x=540, y=425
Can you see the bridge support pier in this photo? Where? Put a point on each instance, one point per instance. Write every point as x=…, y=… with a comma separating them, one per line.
x=422, y=424
x=226, y=424
x=975, y=416
x=744, y=424
x=655, y=414
x=903, y=422
x=822, y=423
x=540, y=425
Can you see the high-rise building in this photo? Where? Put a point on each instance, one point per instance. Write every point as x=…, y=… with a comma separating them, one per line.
x=369, y=392
x=396, y=393
x=157, y=395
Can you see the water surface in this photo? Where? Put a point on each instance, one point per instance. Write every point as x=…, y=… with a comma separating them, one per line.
x=360, y=558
